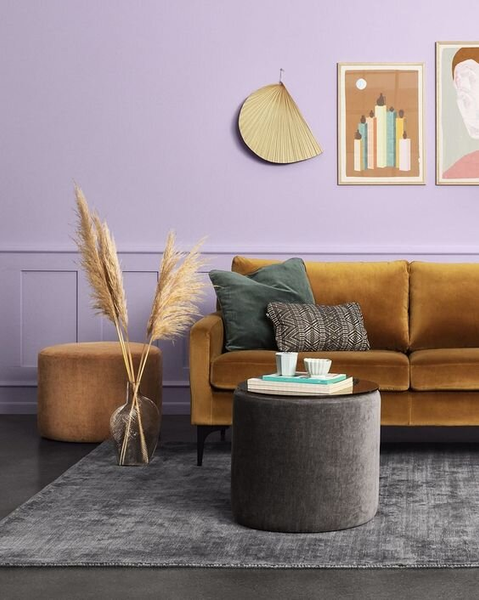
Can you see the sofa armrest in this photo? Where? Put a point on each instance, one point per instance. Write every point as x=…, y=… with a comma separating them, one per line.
x=207, y=336
x=206, y=343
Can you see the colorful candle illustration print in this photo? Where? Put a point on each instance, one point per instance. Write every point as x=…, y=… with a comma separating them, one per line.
x=400, y=127
x=381, y=138
x=375, y=100
x=358, y=152
x=363, y=130
x=371, y=140
x=405, y=153
x=391, y=138
x=381, y=131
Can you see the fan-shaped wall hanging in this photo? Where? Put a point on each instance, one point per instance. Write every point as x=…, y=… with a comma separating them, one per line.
x=273, y=128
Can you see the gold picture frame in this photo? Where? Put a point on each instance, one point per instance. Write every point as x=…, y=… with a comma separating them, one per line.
x=457, y=116
x=381, y=124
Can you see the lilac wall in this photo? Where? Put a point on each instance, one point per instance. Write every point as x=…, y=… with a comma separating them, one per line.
x=137, y=101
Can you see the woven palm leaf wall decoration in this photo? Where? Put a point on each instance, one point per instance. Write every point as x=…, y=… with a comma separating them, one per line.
x=273, y=128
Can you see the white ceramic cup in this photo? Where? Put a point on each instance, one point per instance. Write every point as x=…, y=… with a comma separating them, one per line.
x=317, y=366
x=286, y=363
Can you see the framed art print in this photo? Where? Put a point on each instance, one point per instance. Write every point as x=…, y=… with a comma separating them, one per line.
x=380, y=123
x=457, y=113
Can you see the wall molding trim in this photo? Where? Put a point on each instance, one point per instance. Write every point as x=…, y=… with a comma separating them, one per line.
x=265, y=250
x=18, y=384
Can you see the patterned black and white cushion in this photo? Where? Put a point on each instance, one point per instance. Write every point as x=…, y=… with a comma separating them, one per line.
x=314, y=327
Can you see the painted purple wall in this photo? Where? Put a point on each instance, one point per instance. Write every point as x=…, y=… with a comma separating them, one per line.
x=138, y=102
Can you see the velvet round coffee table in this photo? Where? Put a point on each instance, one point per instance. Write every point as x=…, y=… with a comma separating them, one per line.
x=305, y=464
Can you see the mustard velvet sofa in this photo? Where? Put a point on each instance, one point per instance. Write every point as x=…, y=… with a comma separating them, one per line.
x=422, y=321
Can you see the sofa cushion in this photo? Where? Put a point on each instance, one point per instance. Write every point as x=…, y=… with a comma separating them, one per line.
x=445, y=408
x=243, y=301
x=380, y=288
x=444, y=305
x=387, y=368
x=445, y=369
x=313, y=328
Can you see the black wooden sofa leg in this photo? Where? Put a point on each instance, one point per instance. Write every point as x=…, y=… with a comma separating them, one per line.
x=202, y=432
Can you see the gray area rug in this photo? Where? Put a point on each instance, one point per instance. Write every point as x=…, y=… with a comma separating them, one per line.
x=173, y=513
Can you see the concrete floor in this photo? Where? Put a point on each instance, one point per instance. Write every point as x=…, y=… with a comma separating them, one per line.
x=28, y=463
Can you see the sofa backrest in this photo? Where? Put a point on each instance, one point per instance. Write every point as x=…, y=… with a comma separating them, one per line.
x=380, y=288
x=444, y=305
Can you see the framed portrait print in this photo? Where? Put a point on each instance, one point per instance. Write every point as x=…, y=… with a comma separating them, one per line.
x=457, y=113
x=380, y=123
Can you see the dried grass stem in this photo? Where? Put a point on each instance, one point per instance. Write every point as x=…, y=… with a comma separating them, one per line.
x=174, y=306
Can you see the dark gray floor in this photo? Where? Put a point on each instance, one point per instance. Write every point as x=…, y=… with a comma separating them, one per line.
x=28, y=463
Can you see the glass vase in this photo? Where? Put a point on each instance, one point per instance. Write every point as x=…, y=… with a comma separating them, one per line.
x=135, y=427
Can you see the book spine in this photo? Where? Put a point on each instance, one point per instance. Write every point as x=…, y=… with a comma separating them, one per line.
x=319, y=388
x=306, y=392
x=283, y=392
x=304, y=380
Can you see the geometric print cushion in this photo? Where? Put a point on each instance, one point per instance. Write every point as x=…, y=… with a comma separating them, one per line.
x=315, y=327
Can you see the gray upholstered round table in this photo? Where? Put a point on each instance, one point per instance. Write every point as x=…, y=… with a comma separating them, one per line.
x=304, y=464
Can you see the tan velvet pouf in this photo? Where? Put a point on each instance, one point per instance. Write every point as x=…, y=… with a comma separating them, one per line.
x=80, y=385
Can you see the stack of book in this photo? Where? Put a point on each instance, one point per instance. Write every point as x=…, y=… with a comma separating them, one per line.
x=301, y=384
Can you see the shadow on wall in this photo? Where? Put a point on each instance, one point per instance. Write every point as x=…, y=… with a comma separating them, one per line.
x=242, y=146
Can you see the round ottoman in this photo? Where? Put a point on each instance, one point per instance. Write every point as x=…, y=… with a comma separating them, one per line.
x=304, y=464
x=80, y=385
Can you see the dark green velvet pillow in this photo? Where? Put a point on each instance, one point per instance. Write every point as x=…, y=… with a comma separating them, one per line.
x=243, y=300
